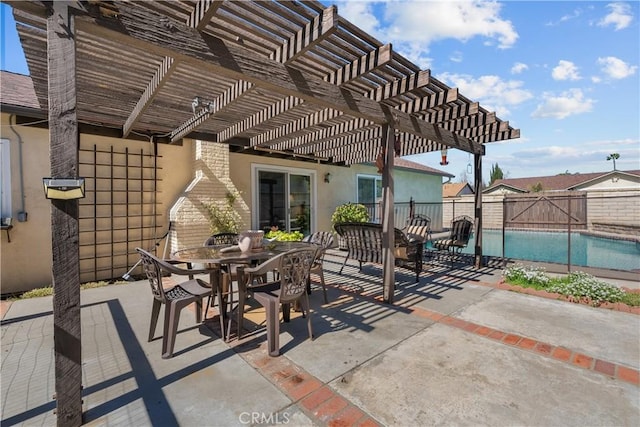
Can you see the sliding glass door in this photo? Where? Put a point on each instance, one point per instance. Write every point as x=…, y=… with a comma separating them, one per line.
x=284, y=200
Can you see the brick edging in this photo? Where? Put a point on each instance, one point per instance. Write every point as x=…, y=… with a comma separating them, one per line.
x=562, y=354
x=316, y=399
x=617, y=306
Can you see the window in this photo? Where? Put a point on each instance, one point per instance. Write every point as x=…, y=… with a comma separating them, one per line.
x=5, y=179
x=370, y=193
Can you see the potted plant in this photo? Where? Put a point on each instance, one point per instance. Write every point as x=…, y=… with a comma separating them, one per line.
x=349, y=212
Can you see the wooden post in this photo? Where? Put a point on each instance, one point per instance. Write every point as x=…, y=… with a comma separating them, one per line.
x=63, y=140
x=388, y=218
x=477, y=161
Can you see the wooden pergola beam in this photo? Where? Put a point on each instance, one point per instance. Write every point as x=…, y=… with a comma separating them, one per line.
x=452, y=112
x=138, y=27
x=158, y=80
x=275, y=136
x=260, y=117
x=63, y=142
x=233, y=93
x=323, y=134
x=322, y=26
x=202, y=13
x=313, y=33
x=365, y=64
x=401, y=86
x=427, y=102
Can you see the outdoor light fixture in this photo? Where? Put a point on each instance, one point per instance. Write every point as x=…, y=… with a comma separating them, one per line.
x=327, y=177
x=444, y=157
x=63, y=188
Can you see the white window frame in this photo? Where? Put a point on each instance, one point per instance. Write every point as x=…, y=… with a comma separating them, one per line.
x=312, y=173
x=376, y=178
x=5, y=178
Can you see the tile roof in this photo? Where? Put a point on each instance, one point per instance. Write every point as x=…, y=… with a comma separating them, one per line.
x=17, y=90
x=399, y=162
x=453, y=189
x=555, y=182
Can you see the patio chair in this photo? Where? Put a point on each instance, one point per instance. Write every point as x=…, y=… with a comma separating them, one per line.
x=324, y=240
x=458, y=239
x=293, y=269
x=364, y=242
x=418, y=227
x=174, y=298
x=222, y=239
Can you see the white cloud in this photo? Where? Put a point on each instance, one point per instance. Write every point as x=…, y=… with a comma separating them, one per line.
x=412, y=21
x=620, y=16
x=566, y=104
x=575, y=14
x=491, y=91
x=361, y=14
x=456, y=56
x=518, y=68
x=616, y=68
x=565, y=70
x=413, y=25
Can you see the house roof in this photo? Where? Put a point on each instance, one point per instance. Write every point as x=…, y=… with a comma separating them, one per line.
x=555, y=182
x=408, y=164
x=17, y=90
x=453, y=189
x=288, y=77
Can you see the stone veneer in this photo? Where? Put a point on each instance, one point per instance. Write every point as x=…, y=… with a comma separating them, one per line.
x=211, y=182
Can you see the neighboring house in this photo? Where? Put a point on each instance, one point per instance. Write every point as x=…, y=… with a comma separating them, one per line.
x=456, y=189
x=137, y=191
x=612, y=180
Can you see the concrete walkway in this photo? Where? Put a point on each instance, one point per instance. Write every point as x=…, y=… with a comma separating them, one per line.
x=453, y=350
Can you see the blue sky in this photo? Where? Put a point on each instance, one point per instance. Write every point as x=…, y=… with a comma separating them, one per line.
x=564, y=72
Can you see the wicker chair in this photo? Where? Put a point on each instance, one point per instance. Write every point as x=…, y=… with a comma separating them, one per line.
x=458, y=239
x=364, y=243
x=418, y=227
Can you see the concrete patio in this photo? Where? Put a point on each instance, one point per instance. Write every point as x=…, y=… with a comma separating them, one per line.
x=453, y=350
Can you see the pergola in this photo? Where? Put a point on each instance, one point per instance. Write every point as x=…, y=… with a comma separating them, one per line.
x=284, y=78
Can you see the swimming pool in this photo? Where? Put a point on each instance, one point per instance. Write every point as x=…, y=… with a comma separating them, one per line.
x=586, y=250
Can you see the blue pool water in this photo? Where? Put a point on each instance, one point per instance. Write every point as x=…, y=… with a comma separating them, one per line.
x=586, y=251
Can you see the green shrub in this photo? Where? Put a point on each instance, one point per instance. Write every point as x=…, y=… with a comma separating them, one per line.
x=284, y=236
x=350, y=212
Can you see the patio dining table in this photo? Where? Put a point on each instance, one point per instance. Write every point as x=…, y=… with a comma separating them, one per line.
x=216, y=257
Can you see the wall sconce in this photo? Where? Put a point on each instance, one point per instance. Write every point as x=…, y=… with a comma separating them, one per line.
x=443, y=153
x=327, y=177
x=63, y=188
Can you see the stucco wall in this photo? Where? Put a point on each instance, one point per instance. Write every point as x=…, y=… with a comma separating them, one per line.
x=188, y=175
x=26, y=261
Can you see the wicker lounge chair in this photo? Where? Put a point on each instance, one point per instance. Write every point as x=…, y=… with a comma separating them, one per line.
x=458, y=239
x=364, y=243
